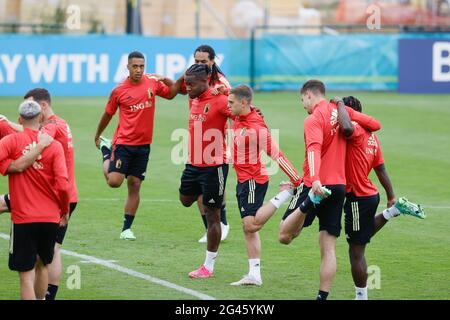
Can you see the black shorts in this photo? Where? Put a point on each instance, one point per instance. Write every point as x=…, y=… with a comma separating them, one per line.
x=329, y=211
x=250, y=197
x=360, y=218
x=61, y=233
x=7, y=201
x=207, y=181
x=28, y=240
x=130, y=160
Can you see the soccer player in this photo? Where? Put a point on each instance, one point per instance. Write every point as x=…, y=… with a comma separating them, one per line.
x=250, y=137
x=60, y=131
x=127, y=155
x=205, y=54
x=362, y=198
x=40, y=198
x=324, y=164
x=206, y=171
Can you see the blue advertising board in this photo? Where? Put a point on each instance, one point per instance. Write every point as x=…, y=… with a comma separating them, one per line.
x=424, y=65
x=90, y=65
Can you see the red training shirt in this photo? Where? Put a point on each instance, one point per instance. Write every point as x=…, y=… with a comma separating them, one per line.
x=40, y=193
x=325, y=146
x=60, y=131
x=208, y=115
x=363, y=154
x=137, y=109
x=250, y=137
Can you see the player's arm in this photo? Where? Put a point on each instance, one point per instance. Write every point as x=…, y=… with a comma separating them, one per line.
x=104, y=121
x=15, y=126
x=266, y=142
x=385, y=181
x=314, y=139
x=27, y=160
x=61, y=180
x=175, y=87
x=110, y=110
x=345, y=123
x=367, y=122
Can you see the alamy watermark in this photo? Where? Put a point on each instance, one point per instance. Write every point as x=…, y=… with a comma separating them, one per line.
x=373, y=21
x=74, y=279
x=73, y=21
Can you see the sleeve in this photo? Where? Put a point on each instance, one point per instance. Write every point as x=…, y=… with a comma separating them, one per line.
x=61, y=176
x=6, y=149
x=273, y=151
x=365, y=121
x=4, y=165
x=183, y=89
x=313, y=139
x=113, y=104
x=378, y=160
x=162, y=90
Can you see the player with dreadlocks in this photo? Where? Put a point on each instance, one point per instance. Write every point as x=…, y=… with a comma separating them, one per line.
x=362, y=198
x=205, y=54
x=206, y=171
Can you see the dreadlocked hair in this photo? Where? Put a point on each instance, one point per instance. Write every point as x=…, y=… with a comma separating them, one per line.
x=215, y=70
x=353, y=103
x=199, y=70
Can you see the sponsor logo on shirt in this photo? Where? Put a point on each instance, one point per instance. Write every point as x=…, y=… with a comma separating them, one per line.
x=37, y=165
x=198, y=117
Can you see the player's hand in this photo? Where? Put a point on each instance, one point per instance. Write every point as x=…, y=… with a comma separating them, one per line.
x=157, y=76
x=336, y=100
x=215, y=91
x=44, y=139
x=97, y=142
x=64, y=220
x=391, y=202
x=317, y=188
x=218, y=89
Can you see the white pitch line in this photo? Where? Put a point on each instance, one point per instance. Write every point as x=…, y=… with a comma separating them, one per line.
x=110, y=265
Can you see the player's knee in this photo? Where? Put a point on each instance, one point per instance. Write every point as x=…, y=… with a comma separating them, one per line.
x=284, y=238
x=250, y=227
x=114, y=183
x=186, y=201
x=134, y=184
x=356, y=253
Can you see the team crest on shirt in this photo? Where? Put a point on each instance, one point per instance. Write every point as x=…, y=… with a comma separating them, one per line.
x=118, y=164
x=206, y=109
x=150, y=93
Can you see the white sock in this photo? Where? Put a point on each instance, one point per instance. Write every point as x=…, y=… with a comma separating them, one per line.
x=209, y=260
x=255, y=268
x=281, y=198
x=391, y=212
x=361, y=293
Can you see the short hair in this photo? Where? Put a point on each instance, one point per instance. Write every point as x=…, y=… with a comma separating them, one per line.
x=242, y=92
x=135, y=54
x=200, y=71
x=39, y=94
x=353, y=103
x=29, y=109
x=315, y=86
